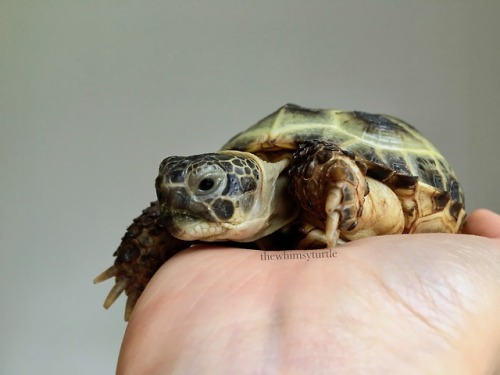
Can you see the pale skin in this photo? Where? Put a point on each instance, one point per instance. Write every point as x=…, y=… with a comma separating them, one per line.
x=402, y=304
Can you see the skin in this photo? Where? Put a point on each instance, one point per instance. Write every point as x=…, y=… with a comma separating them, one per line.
x=414, y=304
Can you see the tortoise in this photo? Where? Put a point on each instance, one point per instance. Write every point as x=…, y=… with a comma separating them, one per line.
x=298, y=179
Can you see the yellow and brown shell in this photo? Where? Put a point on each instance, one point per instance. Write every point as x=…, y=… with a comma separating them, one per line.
x=392, y=149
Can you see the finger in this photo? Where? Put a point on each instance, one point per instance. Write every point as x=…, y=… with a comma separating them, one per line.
x=484, y=223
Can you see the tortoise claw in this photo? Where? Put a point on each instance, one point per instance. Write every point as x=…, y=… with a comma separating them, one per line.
x=115, y=292
x=131, y=301
x=108, y=274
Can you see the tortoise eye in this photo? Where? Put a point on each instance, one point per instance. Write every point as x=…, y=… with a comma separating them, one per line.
x=206, y=184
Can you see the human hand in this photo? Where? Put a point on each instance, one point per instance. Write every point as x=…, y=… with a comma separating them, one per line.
x=405, y=304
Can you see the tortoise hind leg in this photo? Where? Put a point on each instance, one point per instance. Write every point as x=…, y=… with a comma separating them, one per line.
x=382, y=213
x=144, y=248
x=428, y=210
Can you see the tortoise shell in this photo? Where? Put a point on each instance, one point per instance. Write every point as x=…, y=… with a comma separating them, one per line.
x=389, y=146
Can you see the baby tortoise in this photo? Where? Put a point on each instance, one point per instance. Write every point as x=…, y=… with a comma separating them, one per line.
x=300, y=178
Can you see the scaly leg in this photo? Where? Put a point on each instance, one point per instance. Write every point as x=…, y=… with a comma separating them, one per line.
x=144, y=248
x=330, y=185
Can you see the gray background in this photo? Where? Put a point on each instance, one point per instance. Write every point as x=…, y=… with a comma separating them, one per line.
x=94, y=94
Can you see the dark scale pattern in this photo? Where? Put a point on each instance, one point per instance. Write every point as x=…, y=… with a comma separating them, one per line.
x=256, y=174
x=437, y=181
x=379, y=172
x=455, y=209
x=377, y=123
x=297, y=109
x=441, y=200
x=438, y=174
x=324, y=155
x=248, y=184
x=398, y=164
x=228, y=166
x=238, y=162
x=400, y=181
x=370, y=155
x=178, y=176
x=423, y=162
x=454, y=190
x=233, y=186
x=223, y=208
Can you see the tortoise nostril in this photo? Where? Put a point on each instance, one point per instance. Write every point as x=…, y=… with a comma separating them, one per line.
x=177, y=176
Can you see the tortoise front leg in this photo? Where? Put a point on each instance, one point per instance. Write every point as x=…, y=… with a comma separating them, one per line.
x=330, y=187
x=337, y=197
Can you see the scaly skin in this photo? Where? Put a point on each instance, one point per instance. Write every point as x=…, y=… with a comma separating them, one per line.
x=144, y=248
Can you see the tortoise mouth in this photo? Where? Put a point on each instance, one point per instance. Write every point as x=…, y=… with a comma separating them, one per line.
x=188, y=227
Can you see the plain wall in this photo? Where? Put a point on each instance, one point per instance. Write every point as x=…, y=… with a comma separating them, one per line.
x=94, y=94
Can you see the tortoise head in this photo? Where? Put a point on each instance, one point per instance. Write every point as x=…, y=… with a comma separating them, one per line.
x=228, y=195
